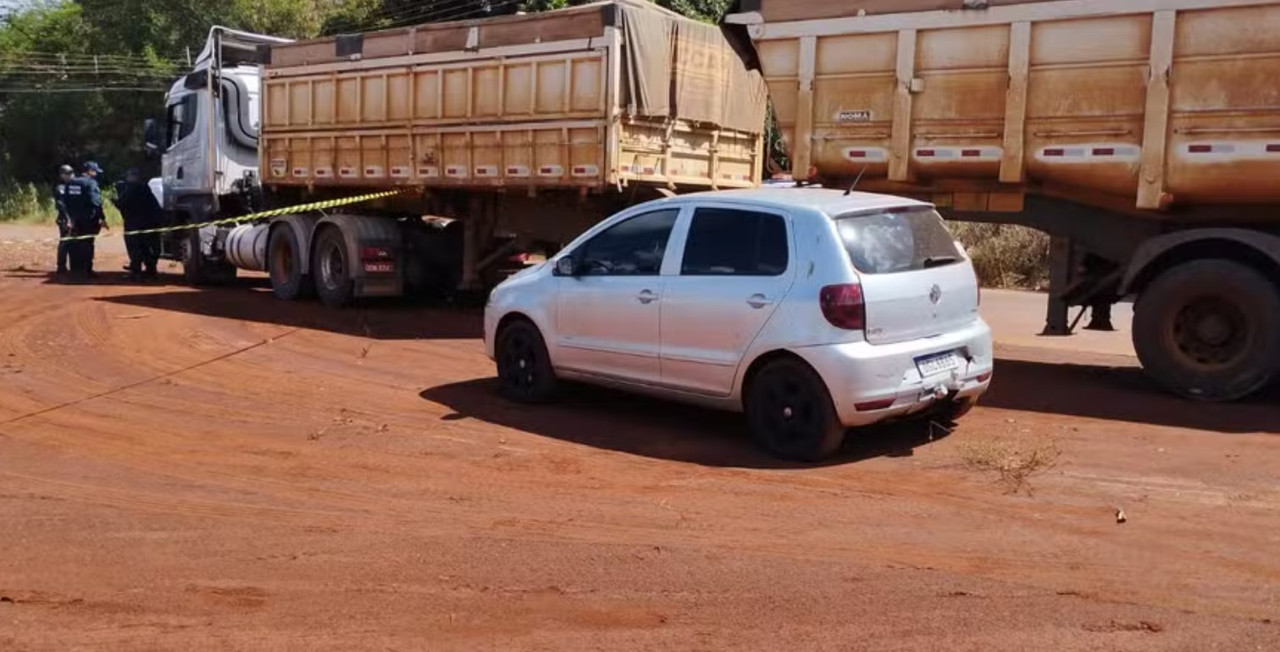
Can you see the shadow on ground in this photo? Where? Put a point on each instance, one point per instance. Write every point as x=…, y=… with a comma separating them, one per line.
x=251, y=300
x=616, y=421
x=107, y=279
x=1121, y=394
x=1095, y=390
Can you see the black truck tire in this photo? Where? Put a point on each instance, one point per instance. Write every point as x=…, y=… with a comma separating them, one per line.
x=331, y=267
x=197, y=271
x=1209, y=330
x=284, y=264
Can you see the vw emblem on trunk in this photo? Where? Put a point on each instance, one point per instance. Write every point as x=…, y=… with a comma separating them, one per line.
x=935, y=295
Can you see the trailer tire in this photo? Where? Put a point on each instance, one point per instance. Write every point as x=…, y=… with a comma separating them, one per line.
x=284, y=265
x=1208, y=330
x=199, y=272
x=331, y=268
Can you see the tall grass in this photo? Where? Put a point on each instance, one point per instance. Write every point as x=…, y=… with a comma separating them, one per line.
x=27, y=203
x=23, y=202
x=1006, y=256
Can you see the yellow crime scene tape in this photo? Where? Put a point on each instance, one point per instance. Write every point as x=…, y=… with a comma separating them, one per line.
x=275, y=212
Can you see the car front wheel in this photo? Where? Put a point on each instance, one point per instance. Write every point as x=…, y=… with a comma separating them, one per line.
x=524, y=367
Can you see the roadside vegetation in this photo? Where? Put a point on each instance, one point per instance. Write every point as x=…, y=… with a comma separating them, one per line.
x=1006, y=256
x=26, y=203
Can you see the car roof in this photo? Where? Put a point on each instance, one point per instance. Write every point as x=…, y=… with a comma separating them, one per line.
x=825, y=200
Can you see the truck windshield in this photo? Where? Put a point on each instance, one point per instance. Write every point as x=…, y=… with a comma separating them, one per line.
x=897, y=241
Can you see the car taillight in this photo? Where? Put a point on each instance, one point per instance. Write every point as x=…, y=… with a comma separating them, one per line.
x=874, y=406
x=375, y=253
x=844, y=306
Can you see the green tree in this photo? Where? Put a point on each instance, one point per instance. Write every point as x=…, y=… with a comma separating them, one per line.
x=78, y=77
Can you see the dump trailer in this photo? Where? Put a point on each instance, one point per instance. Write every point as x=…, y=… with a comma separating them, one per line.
x=502, y=136
x=1143, y=136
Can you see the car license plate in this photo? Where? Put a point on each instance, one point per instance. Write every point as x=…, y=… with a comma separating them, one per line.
x=379, y=268
x=941, y=363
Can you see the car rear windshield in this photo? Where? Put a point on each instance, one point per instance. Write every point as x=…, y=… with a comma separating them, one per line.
x=896, y=241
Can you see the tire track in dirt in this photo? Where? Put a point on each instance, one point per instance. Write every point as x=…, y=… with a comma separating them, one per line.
x=228, y=440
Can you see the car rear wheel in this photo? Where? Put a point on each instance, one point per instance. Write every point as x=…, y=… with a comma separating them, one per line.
x=790, y=412
x=524, y=367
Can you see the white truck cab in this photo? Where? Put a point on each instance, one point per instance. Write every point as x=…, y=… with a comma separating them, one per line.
x=208, y=144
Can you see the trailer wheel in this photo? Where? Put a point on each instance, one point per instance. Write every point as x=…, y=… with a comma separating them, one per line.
x=1208, y=330
x=331, y=266
x=284, y=262
x=197, y=271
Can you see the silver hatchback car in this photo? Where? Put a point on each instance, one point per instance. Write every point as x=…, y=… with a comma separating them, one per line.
x=812, y=311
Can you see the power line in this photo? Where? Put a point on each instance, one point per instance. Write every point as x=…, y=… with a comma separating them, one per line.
x=86, y=55
x=105, y=70
x=439, y=12
x=395, y=13
x=421, y=18
x=98, y=89
x=494, y=5
x=84, y=59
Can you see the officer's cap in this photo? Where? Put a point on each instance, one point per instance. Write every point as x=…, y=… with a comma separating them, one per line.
x=93, y=167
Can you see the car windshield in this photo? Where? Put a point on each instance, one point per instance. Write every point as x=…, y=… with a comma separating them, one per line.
x=896, y=241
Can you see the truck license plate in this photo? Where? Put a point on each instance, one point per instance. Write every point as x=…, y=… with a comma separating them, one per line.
x=379, y=268
x=940, y=363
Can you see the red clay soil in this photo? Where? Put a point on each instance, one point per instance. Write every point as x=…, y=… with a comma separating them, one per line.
x=189, y=470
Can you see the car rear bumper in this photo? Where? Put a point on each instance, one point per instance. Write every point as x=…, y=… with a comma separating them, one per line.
x=870, y=383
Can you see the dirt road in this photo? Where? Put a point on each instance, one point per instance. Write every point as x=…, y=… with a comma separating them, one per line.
x=188, y=470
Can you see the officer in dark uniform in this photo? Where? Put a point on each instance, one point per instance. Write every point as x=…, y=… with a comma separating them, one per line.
x=65, y=173
x=84, y=208
x=140, y=211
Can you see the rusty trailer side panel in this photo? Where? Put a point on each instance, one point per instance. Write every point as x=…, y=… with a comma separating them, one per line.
x=545, y=100
x=1144, y=104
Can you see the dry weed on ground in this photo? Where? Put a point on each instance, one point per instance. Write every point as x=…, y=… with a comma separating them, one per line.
x=1012, y=461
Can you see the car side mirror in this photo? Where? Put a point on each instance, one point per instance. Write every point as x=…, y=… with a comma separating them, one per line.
x=151, y=138
x=566, y=266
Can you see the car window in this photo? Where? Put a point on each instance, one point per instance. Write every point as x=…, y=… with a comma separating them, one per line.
x=898, y=241
x=634, y=247
x=182, y=119
x=734, y=242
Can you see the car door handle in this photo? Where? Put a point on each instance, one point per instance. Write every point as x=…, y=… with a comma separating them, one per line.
x=647, y=297
x=759, y=301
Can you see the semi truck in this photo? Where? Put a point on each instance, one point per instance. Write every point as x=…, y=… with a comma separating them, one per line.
x=503, y=136
x=1143, y=136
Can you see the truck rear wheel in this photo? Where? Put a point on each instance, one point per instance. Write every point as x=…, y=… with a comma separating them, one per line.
x=199, y=271
x=284, y=258
x=1209, y=330
x=331, y=267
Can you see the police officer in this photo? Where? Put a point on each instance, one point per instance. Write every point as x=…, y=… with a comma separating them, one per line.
x=65, y=173
x=138, y=206
x=84, y=210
